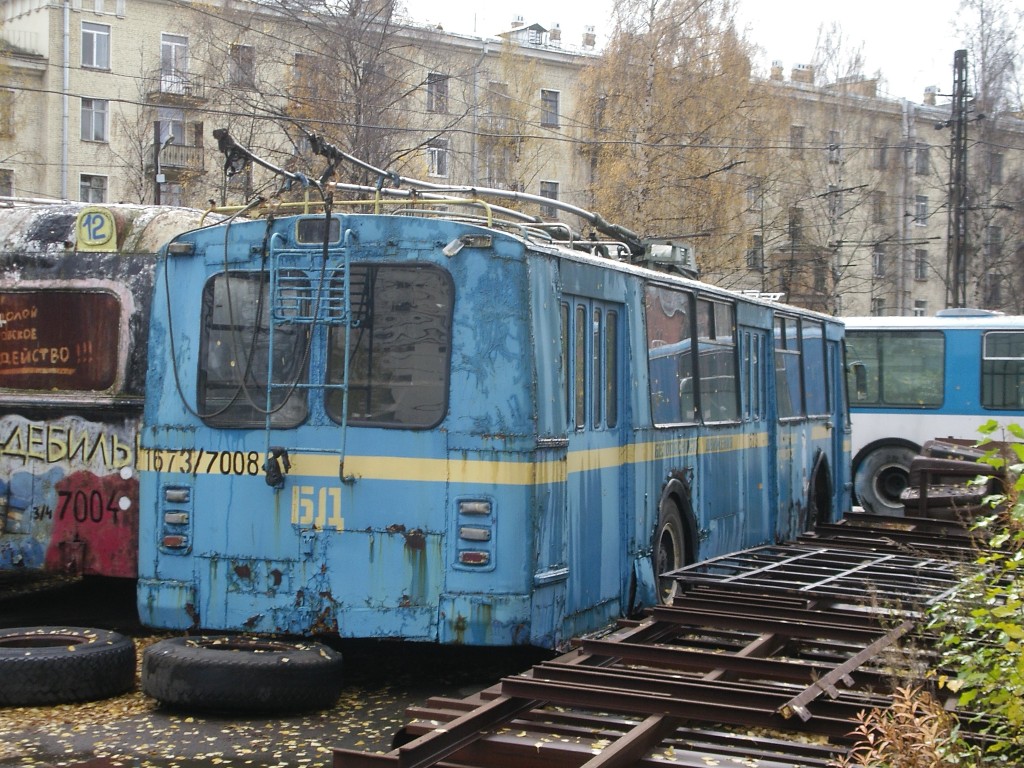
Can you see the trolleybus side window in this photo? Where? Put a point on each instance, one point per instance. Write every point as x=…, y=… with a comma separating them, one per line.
x=716, y=361
x=235, y=352
x=788, y=385
x=399, y=347
x=611, y=368
x=670, y=356
x=903, y=369
x=59, y=339
x=1002, y=370
x=580, y=367
x=590, y=347
x=818, y=397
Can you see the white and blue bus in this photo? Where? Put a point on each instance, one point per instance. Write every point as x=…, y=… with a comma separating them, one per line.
x=431, y=426
x=914, y=379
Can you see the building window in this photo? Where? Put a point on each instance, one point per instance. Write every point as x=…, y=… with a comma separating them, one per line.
x=173, y=63
x=922, y=160
x=881, y=153
x=820, y=278
x=242, y=66
x=920, y=264
x=878, y=207
x=796, y=220
x=549, y=189
x=6, y=182
x=93, y=189
x=878, y=261
x=835, y=152
x=920, y=308
x=95, y=45
x=94, y=120
x=796, y=139
x=995, y=167
x=921, y=210
x=437, y=92
x=6, y=113
x=437, y=157
x=549, y=108
x=993, y=244
x=877, y=307
x=755, y=197
x=755, y=253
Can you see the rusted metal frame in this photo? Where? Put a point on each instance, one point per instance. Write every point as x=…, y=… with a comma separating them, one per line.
x=707, y=743
x=848, y=588
x=633, y=745
x=699, y=703
x=431, y=748
x=898, y=539
x=738, y=563
x=708, y=662
x=827, y=683
x=811, y=629
x=525, y=749
x=751, y=695
x=738, y=603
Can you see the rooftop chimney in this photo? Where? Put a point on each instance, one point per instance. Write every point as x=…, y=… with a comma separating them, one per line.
x=589, y=38
x=929, y=95
x=555, y=35
x=802, y=73
x=776, y=70
x=517, y=22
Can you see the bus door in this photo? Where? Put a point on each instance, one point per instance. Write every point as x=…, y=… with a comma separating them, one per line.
x=759, y=476
x=594, y=486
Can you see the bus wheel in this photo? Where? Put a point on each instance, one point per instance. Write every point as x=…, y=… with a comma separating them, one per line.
x=819, y=496
x=234, y=673
x=881, y=477
x=55, y=665
x=669, y=549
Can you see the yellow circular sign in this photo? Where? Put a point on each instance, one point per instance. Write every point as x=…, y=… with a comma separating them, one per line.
x=96, y=230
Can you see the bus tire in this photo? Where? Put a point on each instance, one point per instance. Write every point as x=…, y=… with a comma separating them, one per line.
x=669, y=548
x=880, y=478
x=819, y=496
x=236, y=673
x=57, y=665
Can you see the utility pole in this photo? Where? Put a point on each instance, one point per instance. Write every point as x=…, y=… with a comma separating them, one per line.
x=956, y=236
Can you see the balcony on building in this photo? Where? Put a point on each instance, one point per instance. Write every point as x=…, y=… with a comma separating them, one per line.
x=173, y=88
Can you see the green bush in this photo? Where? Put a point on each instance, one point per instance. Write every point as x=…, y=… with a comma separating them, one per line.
x=981, y=625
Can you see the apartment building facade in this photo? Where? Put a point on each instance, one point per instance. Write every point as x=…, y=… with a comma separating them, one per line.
x=846, y=197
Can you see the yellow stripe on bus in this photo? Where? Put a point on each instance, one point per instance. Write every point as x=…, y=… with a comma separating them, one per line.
x=478, y=471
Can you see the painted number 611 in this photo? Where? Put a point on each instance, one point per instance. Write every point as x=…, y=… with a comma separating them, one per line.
x=317, y=507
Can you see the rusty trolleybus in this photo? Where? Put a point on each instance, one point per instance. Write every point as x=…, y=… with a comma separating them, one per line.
x=463, y=427
x=75, y=287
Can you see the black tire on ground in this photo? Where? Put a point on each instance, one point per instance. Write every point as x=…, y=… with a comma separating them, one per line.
x=669, y=548
x=57, y=665
x=242, y=674
x=880, y=478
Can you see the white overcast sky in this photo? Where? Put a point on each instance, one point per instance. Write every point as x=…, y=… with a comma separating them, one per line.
x=910, y=41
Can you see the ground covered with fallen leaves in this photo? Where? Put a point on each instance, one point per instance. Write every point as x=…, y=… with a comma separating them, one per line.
x=133, y=731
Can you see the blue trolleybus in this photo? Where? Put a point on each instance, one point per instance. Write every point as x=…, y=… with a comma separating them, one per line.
x=913, y=379
x=459, y=424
